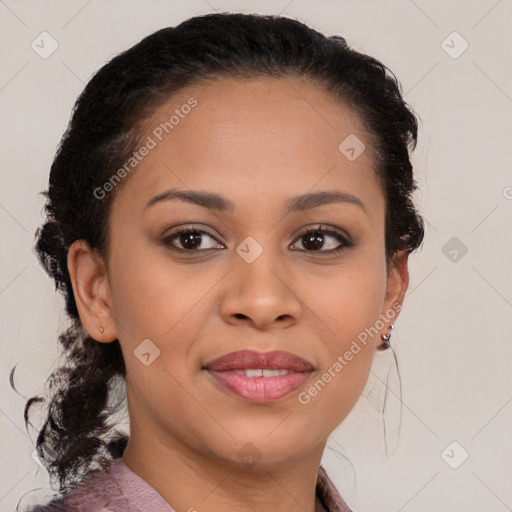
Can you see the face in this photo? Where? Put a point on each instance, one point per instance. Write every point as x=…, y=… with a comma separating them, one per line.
x=283, y=250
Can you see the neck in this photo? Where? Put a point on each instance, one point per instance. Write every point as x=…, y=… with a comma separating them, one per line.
x=189, y=481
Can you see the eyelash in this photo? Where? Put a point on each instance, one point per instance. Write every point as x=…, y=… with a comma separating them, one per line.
x=345, y=241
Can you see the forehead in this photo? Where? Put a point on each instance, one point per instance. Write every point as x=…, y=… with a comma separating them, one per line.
x=253, y=138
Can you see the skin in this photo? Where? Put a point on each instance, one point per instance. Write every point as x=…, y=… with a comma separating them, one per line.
x=257, y=143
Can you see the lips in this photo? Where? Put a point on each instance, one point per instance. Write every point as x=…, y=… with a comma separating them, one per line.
x=248, y=359
x=259, y=376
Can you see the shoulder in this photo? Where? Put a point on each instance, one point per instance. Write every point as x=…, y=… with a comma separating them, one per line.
x=328, y=494
x=54, y=506
x=98, y=491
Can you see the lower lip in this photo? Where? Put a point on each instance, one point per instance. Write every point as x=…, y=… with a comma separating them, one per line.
x=260, y=389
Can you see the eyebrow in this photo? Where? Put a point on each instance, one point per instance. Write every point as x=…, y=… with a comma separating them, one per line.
x=295, y=204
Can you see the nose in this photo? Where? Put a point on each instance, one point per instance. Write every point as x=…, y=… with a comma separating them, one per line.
x=260, y=294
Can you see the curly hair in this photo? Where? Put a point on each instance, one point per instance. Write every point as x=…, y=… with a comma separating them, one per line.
x=104, y=128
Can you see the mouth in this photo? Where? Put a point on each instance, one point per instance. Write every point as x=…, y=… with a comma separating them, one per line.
x=259, y=376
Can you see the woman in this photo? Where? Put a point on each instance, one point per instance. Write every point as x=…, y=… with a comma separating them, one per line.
x=229, y=217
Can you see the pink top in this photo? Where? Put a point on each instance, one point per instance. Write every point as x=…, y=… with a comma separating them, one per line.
x=122, y=490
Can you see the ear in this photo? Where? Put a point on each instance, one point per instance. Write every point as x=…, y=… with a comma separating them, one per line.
x=397, y=283
x=91, y=290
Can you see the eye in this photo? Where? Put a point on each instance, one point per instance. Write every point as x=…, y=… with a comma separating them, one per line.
x=322, y=239
x=191, y=239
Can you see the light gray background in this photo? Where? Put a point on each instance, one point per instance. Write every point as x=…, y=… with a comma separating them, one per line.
x=453, y=338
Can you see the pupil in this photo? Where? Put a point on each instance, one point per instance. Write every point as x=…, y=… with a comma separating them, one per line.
x=190, y=240
x=313, y=240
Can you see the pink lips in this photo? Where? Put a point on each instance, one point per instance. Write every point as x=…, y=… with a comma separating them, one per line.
x=226, y=370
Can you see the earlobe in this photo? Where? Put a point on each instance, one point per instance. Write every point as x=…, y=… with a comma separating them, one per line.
x=91, y=291
x=396, y=286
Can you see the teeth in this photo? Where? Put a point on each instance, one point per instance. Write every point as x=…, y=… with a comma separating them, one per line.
x=274, y=373
x=253, y=373
x=258, y=372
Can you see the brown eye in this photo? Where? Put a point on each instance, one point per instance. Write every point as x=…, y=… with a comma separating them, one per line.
x=313, y=241
x=323, y=240
x=192, y=240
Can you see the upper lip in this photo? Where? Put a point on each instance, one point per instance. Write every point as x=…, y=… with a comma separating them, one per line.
x=249, y=359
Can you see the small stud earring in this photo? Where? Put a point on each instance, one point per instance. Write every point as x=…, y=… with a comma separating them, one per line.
x=385, y=339
x=101, y=330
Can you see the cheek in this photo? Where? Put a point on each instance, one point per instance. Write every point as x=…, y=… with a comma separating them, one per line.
x=347, y=311
x=163, y=303
x=167, y=304
x=151, y=296
x=349, y=299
